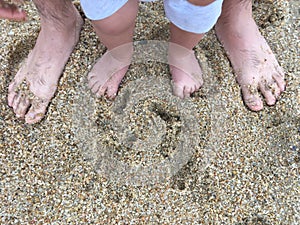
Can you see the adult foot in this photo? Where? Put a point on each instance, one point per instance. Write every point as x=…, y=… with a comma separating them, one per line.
x=108, y=72
x=185, y=70
x=254, y=64
x=35, y=83
x=11, y=11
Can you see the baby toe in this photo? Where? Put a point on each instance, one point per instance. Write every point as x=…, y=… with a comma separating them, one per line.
x=187, y=91
x=112, y=92
x=178, y=90
x=101, y=91
x=94, y=86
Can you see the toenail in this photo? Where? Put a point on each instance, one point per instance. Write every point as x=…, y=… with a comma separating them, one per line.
x=272, y=101
x=30, y=116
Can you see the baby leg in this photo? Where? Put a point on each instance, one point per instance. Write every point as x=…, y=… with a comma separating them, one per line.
x=115, y=31
x=254, y=64
x=189, y=21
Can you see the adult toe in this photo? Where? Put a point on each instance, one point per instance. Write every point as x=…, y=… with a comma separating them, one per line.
x=23, y=106
x=37, y=111
x=12, y=94
x=280, y=82
x=268, y=90
x=251, y=98
x=11, y=98
x=16, y=102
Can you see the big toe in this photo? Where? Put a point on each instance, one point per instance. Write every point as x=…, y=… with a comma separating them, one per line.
x=37, y=111
x=114, y=83
x=252, y=99
x=111, y=92
x=184, y=91
x=94, y=85
x=178, y=90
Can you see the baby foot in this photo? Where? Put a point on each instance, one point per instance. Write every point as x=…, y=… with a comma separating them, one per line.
x=108, y=72
x=254, y=64
x=185, y=70
x=35, y=84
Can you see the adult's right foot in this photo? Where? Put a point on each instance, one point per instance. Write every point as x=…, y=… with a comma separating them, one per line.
x=42, y=69
x=255, y=65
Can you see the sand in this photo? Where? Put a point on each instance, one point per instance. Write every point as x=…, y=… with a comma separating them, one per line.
x=148, y=157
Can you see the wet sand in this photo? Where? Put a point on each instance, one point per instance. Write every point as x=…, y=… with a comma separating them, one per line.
x=205, y=160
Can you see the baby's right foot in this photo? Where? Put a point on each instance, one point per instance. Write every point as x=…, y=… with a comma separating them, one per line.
x=108, y=72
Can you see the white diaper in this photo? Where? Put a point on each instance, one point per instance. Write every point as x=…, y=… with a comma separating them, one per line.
x=186, y=16
x=192, y=18
x=100, y=9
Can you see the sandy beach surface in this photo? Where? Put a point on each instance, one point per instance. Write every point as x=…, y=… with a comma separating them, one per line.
x=148, y=157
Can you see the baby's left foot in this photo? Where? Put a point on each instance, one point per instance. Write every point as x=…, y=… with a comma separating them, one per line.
x=254, y=64
x=185, y=70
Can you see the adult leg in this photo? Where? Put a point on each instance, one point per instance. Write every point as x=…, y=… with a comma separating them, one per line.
x=116, y=33
x=60, y=28
x=254, y=64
